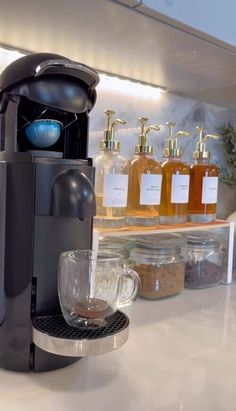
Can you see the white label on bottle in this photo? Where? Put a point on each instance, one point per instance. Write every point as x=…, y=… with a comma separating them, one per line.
x=180, y=188
x=115, y=190
x=150, y=190
x=209, y=190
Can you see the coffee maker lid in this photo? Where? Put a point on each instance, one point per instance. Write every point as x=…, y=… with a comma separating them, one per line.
x=35, y=65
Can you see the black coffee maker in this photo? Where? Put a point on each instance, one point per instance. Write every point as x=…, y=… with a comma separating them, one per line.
x=47, y=206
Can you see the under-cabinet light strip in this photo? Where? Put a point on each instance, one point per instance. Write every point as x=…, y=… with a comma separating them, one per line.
x=127, y=86
x=7, y=56
x=108, y=82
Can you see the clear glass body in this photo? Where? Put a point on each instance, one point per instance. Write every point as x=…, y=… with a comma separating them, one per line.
x=197, y=211
x=108, y=162
x=137, y=214
x=161, y=269
x=172, y=213
x=204, y=259
x=90, y=286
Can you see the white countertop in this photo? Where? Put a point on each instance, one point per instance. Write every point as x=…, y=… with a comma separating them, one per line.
x=181, y=355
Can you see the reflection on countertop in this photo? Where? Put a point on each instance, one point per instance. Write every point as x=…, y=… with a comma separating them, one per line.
x=180, y=355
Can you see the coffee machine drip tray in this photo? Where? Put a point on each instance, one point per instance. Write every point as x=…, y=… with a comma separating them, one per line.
x=54, y=335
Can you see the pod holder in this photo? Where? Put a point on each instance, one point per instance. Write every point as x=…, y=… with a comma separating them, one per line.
x=54, y=335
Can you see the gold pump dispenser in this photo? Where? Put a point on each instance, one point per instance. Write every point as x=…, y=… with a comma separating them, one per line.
x=201, y=151
x=143, y=146
x=109, y=142
x=172, y=149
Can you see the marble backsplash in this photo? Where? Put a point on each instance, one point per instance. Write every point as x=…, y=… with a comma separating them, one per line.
x=186, y=113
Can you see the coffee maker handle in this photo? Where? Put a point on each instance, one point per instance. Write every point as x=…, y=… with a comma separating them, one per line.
x=41, y=68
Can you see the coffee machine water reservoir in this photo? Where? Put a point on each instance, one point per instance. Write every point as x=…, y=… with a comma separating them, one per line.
x=47, y=207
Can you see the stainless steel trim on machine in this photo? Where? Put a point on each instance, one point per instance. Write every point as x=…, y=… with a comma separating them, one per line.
x=80, y=347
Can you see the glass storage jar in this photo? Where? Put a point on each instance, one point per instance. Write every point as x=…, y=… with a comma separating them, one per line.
x=118, y=245
x=204, y=260
x=123, y=247
x=160, y=265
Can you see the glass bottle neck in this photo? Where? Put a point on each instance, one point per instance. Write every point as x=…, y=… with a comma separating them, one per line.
x=149, y=155
x=202, y=161
x=174, y=158
x=108, y=151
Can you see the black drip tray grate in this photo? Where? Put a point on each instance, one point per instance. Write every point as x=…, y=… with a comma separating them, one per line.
x=53, y=334
x=57, y=327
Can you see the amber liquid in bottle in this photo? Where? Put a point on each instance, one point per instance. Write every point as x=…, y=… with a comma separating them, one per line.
x=197, y=210
x=140, y=214
x=172, y=213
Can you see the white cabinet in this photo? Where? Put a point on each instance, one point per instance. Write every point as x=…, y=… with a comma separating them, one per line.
x=214, y=17
x=127, y=38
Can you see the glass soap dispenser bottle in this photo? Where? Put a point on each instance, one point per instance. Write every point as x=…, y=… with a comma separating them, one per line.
x=145, y=177
x=175, y=183
x=111, y=179
x=203, y=182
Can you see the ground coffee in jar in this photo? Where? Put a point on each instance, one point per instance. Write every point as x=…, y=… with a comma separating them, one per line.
x=204, y=260
x=160, y=265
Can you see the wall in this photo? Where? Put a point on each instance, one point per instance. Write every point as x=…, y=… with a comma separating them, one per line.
x=165, y=107
x=215, y=17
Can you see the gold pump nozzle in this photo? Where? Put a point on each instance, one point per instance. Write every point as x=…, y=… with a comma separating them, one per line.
x=109, y=143
x=143, y=146
x=172, y=149
x=201, y=151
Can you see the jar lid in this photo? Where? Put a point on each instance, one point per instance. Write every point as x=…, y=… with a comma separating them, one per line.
x=160, y=243
x=204, y=239
x=118, y=245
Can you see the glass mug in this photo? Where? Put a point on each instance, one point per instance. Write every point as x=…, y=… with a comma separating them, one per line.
x=91, y=286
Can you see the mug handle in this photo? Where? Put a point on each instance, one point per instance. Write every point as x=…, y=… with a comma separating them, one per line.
x=132, y=275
